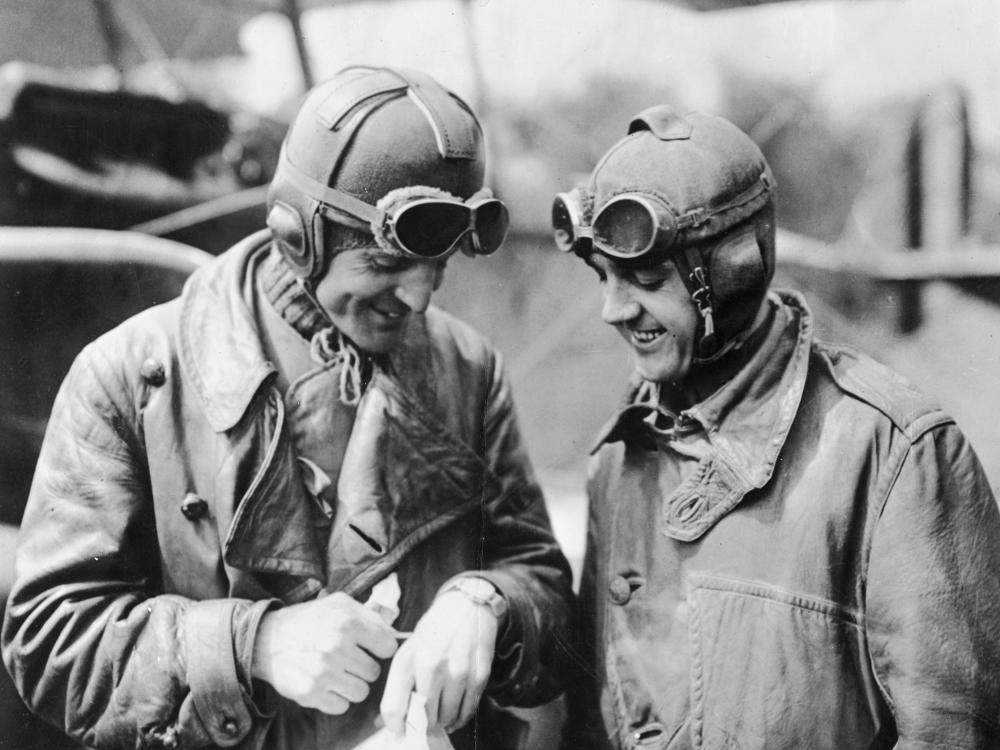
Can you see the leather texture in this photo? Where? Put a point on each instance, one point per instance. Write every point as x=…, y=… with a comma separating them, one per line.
x=131, y=623
x=822, y=572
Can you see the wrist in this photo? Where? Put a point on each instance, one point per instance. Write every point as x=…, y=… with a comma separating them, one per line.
x=260, y=661
x=480, y=591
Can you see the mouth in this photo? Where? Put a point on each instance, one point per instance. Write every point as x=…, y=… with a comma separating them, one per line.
x=646, y=338
x=391, y=314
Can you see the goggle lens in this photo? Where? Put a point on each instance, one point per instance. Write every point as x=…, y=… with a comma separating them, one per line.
x=563, y=224
x=625, y=228
x=492, y=221
x=432, y=228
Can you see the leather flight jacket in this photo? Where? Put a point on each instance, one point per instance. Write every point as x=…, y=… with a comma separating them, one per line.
x=169, y=513
x=825, y=573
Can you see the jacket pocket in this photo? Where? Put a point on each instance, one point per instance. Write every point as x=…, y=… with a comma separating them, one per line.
x=774, y=669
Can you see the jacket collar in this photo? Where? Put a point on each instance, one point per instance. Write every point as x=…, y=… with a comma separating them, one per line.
x=220, y=349
x=220, y=345
x=747, y=419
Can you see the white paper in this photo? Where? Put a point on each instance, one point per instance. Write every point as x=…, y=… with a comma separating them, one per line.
x=384, y=599
x=416, y=736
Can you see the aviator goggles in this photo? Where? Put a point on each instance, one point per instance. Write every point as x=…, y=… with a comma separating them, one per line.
x=426, y=227
x=628, y=226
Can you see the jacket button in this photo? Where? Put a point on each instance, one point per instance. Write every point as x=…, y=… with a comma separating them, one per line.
x=153, y=372
x=620, y=590
x=193, y=507
x=230, y=727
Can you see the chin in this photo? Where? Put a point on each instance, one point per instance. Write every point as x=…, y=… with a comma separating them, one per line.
x=377, y=343
x=661, y=372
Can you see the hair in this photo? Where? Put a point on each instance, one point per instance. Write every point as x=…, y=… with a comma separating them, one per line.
x=339, y=239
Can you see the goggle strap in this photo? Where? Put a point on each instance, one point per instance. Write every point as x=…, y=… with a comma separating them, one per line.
x=324, y=194
x=699, y=216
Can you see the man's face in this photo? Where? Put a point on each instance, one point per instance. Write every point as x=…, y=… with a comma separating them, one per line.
x=652, y=310
x=370, y=295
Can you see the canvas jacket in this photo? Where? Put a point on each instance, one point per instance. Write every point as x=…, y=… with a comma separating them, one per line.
x=168, y=514
x=828, y=576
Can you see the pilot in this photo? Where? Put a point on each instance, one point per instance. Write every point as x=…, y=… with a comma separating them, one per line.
x=227, y=477
x=789, y=545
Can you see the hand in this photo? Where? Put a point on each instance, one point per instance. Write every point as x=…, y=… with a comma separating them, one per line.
x=447, y=660
x=322, y=654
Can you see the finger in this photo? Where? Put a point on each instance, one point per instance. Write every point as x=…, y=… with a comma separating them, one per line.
x=360, y=663
x=378, y=639
x=474, y=690
x=429, y=683
x=359, y=626
x=354, y=689
x=470, y=703
x=396, y=696
x=450, y=703
x=329, y=702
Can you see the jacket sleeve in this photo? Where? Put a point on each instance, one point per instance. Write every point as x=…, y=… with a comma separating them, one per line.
x=92, y=643
x=933, y=599
x=522, y=559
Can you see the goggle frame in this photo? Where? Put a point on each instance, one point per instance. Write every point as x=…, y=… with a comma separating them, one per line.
x=390, y=219
x=378, y=221
x=663, y=221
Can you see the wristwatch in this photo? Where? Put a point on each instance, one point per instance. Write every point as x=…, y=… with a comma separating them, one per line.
x=480, y=591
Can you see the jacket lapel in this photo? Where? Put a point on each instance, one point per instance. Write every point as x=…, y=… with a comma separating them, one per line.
x=746, y=422
x=404, y=477
x=273, y=529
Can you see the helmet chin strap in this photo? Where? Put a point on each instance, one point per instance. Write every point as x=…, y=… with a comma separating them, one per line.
x=695, y=277
x=309, y=289
x=331, y=343
x=737, y=342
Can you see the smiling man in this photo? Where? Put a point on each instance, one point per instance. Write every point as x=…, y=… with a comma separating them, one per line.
x=226, y=478
x=789, y=545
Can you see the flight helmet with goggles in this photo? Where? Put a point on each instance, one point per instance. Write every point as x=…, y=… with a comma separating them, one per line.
x=388, y=152
x=679, y=186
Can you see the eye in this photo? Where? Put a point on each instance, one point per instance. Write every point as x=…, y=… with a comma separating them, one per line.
x=650, y=280
x=385, y=263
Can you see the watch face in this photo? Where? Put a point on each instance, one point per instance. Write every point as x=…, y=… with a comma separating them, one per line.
x=482, y=591
x=478, y=588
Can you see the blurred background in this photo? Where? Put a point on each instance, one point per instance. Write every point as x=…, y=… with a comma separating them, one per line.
x=880, y=118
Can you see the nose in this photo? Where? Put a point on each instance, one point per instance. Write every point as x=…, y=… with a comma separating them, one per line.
x=619, y=307
x=417, y=284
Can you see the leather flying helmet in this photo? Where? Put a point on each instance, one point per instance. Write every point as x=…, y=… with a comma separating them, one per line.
x=691, y=187
x=368, y=132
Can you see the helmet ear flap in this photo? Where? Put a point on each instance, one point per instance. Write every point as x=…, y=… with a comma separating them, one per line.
x=766, y=239
x=290, y=234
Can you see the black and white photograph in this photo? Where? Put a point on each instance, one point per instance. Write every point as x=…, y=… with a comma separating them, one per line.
x=499, y=374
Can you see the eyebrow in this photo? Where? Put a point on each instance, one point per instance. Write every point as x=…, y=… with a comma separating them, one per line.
x=665, y=266
x=377, y=253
